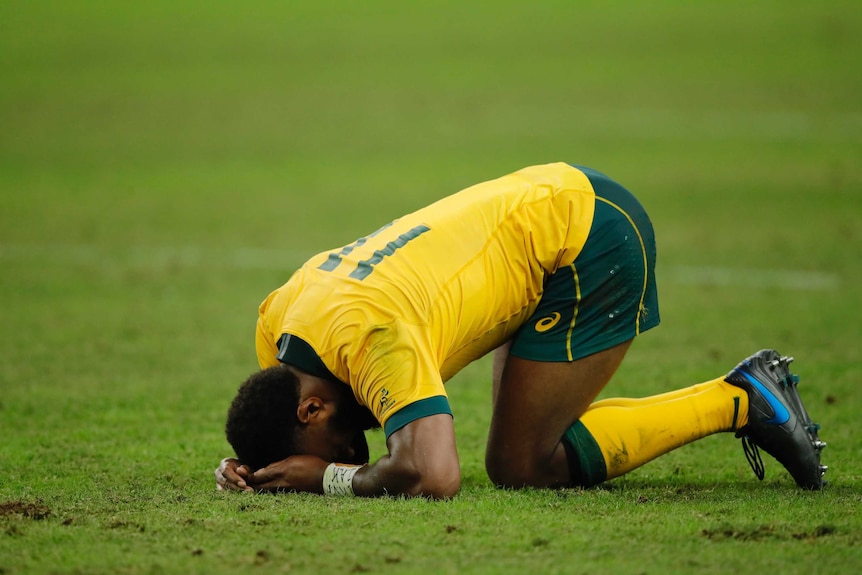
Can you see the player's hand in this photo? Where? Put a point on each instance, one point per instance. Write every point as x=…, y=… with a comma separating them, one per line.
x=296, y=473
x=232, y=476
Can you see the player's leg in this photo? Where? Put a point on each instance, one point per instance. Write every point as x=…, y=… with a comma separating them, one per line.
x=535, y=403
x=545, y=433
x=758, y=400
x=542, y=433
x=501, y=354
x=632, y=432
x=552, y=369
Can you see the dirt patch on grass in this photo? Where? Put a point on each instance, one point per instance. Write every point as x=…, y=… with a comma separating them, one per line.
x=764, y=532
x=36, y=511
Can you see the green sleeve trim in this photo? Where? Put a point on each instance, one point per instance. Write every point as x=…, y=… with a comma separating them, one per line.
x=296, y=351
x=417, y=410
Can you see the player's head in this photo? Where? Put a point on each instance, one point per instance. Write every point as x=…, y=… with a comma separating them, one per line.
x=280, y=411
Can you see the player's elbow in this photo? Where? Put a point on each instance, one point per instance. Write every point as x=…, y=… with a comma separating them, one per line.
x=440, y=481
x=424, y=460
x=441, y=485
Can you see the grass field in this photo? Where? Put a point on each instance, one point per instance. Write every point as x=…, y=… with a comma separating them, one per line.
x=164, y=165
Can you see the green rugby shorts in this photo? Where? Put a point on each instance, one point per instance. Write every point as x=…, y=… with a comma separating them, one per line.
x=608, y=295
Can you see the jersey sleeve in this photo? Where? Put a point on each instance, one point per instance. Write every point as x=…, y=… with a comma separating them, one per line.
x=397, y=377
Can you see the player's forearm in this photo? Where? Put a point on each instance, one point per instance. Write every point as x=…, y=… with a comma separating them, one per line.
x=386, y=478
x=389, y=476
x=422, y=462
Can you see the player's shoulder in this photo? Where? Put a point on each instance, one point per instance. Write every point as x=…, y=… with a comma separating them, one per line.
x=556, y=175
x=550, y=170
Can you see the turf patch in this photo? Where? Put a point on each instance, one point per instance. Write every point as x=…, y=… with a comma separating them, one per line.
x=36, y=511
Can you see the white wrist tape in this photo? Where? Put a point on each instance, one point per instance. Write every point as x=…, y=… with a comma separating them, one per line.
x=219, y=474
x=338, y=479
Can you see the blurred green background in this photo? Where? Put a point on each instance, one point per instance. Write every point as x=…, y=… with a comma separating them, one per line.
x=213, y=144
x=164, y=165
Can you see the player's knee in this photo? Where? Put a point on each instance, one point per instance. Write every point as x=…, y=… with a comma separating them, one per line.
x=507, y=472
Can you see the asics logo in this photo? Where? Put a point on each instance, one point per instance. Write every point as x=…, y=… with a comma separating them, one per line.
x=547, y=323
x=779, y=412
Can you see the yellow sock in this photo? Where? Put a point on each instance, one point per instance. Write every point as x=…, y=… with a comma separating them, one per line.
x=631, y=432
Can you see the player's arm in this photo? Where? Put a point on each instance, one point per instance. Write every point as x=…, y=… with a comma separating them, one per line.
x=422, y=462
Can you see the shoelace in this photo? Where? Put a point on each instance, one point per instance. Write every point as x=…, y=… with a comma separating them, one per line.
x=752, y=454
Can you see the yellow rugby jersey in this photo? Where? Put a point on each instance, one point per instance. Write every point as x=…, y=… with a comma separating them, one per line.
x=398, y=312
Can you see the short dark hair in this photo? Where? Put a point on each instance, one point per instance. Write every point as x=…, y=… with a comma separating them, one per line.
x=261, y=422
